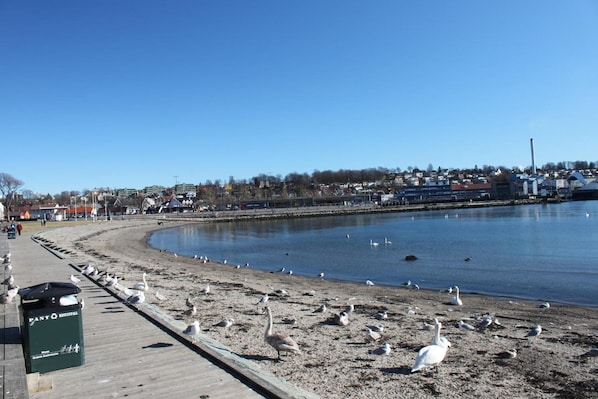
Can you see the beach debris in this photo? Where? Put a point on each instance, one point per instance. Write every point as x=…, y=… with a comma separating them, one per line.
x=410, y=258
x=508, y=354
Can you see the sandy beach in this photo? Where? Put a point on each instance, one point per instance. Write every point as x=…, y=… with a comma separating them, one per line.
x=336, y=361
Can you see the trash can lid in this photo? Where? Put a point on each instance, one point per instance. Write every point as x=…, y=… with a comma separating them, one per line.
x=48, y=290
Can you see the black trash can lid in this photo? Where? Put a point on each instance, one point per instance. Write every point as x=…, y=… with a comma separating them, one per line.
x=48, y=290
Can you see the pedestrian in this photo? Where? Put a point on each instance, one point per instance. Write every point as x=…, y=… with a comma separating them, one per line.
x=19, y=228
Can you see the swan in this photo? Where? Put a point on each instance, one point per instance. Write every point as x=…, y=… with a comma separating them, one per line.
x=545, y=305
x=369, y=282
x=373, y=243
x=280, y=342
x=159, y=296
x=141, y=285
x=387, y=241
x=431, y=355
x=442, y=340
x=455, y=300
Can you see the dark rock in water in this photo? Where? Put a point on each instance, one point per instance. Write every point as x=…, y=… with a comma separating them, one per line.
x=410, y=257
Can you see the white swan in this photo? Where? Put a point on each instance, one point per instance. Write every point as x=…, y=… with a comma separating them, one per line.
x=373, y=243
x=141, y=285
x=431, y=355
x=387, y=241
x=455, y=300
x=280, y=342
x=442, y=340
x=369, y=282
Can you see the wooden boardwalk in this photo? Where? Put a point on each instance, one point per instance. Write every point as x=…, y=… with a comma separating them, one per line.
x=129, y=352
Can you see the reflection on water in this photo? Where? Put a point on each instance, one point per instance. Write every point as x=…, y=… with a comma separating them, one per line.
x=534, y=251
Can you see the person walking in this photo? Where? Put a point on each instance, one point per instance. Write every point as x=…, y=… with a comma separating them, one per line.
x=19, y=228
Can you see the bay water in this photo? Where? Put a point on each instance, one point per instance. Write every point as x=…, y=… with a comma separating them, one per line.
x=539, y=252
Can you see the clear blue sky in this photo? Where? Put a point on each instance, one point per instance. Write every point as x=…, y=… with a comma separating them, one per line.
x=133, y=93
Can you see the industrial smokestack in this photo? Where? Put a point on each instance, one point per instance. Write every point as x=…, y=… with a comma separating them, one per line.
x=531, y=143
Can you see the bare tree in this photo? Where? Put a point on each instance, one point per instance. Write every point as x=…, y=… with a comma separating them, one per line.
x=8, y=187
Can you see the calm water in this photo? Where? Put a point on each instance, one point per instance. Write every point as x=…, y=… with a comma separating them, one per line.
x=544, y=252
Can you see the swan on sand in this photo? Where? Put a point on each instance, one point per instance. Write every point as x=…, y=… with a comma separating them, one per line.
x=280, y=342
x=431, y=355
x=456, y=300
x=141, y=285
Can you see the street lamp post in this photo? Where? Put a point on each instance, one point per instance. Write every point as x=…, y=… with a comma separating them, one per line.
x=84, y=199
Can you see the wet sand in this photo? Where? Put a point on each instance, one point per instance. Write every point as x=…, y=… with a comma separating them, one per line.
x=335, y=361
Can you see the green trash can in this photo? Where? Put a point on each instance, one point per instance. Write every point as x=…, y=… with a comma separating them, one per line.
x=51, y=327
x=12, y=234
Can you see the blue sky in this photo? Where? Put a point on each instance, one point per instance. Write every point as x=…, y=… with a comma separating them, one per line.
x=133, y=93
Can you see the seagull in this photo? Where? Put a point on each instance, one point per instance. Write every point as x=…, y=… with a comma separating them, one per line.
x=381, y=315
x=382, y=350
x=350, y=308
x=534, y=332
x=280, y=342
x=10, y=281
x=485, y=323
x=463, y=325
x=74, y=279
x=321, y=275
x=9, y=295
x=88, y=270
x=189, y=302
x=192, y=329
x=508, y=354
x=226, y=323
x=7, y=267
x=136, y=299
x=431, y=355
x=544, y=305
x=321, y=309
x=342, y=319
x=455, y=300
x=377, y=328
x=206, y=290
x=263, y=300
x=111, y=281
x=192, y=311
x=281, y=270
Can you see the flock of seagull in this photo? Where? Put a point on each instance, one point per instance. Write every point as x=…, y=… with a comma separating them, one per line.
x=11, y=288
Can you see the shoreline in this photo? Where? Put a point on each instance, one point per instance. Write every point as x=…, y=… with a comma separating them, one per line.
x=335, y=360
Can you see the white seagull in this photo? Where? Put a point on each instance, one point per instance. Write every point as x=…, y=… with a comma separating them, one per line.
x=534, y=332
x=382, y=350
x=74, y=279
x=192, y=329
x=136, y=299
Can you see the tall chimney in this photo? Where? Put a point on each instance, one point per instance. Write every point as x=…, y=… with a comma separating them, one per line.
x=531, y=143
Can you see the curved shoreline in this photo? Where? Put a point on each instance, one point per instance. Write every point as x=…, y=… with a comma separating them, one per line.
x=337, y=357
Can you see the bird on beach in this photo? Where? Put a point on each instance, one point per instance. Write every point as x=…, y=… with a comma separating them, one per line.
x=342, y=319
x=136, y=298
x=381, y=315
x=381, y=350
x=534, y=332
x=226, y=323
x=377, y=328
x=280, y=342
x=350, y=308
x=189, y=302
x=159, y=296
x=192, y=311
x=205, y=290
x=431, y=355
x=441, y=339
x=465, y=326
x=88, y=270
x=544, y=305
x=74, y=279
x=10, y=281
x=508, y=354
x=321, y=275
x=9, y=295
x=369, y=282
x=141, y=285
x=456, y=300
x=192, y=330
x=321, y=309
